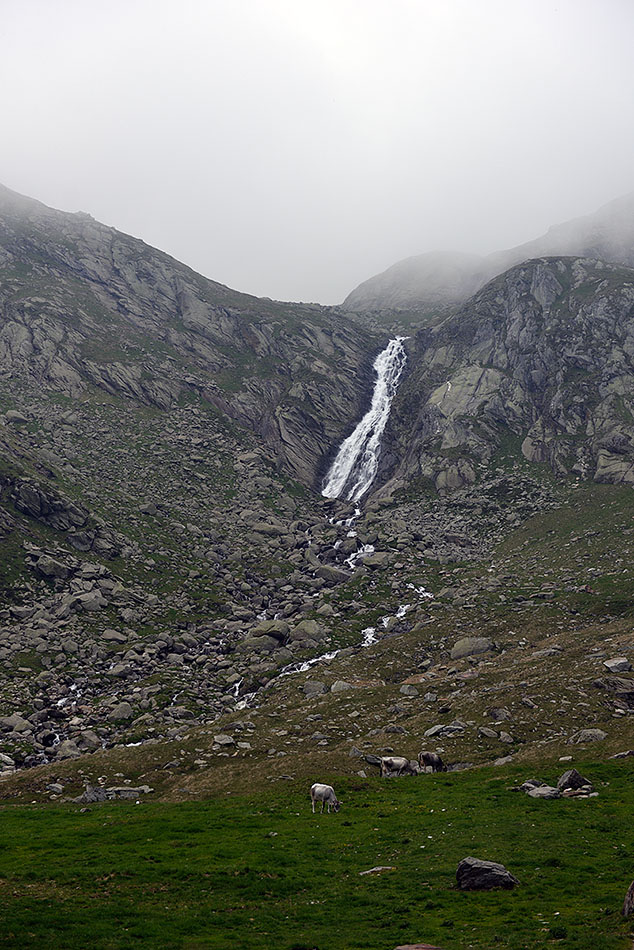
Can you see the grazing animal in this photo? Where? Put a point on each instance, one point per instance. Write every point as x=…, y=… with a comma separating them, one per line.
x=431, y=760
x=398, y=764
x=324, y=794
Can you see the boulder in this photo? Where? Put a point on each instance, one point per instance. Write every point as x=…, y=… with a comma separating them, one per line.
x=50, y=567
x=618, y=664
x=408, y=689
x=331, y=574
x=91, y=795
x=114, y=636
x=92, y=600
x=470, y=646
x=68, y=750
x=588, y=735
x=314, y=688
x=258, y=645
x=15, y=418
x=121, y=711
x=16, y=723
x=544, y=791
x=278, y=629
x=572, y=779
x=376, y=560
x=475, y=875
x=628, y=904
x=307, y=630
x=88, y=741
x=340, y=686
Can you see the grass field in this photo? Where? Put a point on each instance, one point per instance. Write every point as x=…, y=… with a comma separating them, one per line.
x=260, y=871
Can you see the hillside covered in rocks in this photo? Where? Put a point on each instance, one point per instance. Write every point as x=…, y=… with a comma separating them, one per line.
x=171, y=575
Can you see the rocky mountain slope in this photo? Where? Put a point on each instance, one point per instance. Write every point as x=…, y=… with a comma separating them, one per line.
x=86, y=308
x=429, y=284
x=541, y=356
x=177, y=601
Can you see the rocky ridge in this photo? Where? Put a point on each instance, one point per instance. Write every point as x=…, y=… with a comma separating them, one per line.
x=422, y=287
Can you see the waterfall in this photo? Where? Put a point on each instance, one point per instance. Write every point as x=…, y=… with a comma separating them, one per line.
x=357, y=461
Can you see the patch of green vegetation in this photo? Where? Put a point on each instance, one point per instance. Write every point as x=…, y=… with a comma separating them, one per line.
x=261, y=871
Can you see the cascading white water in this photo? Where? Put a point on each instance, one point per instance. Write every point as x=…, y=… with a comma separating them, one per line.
x=357, y=461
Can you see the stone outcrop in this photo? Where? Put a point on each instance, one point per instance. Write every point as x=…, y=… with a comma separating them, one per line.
x=537, y=366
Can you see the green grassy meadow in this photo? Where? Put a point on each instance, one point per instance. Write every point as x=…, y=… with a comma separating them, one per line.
x=260, y=871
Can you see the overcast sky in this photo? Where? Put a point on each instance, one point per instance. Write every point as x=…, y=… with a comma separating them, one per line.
x=293, y=148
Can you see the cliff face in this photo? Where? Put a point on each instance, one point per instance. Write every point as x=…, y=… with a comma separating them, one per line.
x=431, y=283
x=541, y=359
x=86, y=308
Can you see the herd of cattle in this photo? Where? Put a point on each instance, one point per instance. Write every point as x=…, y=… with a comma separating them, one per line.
x=389, y=765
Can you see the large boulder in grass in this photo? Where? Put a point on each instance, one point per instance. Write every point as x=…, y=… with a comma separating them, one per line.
x=571, y=779
x=544, y=791
x=475, y=875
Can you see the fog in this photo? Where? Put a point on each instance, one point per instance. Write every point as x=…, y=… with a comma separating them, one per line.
x=293, y=148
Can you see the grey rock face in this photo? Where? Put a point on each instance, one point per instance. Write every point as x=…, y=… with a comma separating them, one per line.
x=528, y=351
x=475, y=875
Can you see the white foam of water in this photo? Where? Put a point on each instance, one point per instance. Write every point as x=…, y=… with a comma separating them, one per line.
x=364, y=551
x=421, y=591
x=369, y=636
x=357, y=460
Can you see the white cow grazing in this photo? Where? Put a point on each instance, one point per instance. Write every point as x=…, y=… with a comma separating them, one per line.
x=324, y=794
x=391, y=764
